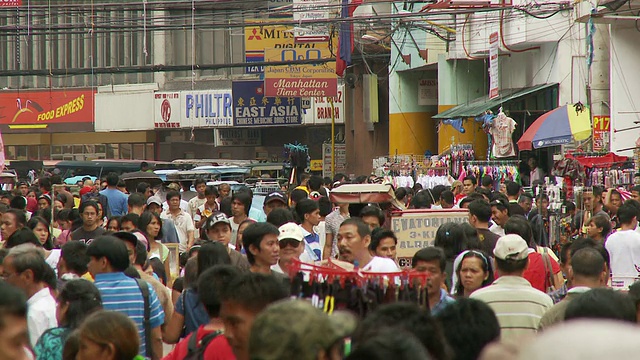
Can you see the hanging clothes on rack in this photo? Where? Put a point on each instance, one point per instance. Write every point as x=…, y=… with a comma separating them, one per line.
x=500, y=171
x=501, y=131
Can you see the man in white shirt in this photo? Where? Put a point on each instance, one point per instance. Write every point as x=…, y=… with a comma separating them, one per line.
x=354, y=238
x=25, y=268
x=624, y=247
x=181, y=219
x=499, y=215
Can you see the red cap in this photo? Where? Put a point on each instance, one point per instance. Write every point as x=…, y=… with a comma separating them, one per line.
x=86, y=189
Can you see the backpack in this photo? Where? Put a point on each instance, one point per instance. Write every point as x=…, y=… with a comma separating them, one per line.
x=195, y=349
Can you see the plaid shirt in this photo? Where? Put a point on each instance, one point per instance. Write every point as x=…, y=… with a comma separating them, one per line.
x=559, y=294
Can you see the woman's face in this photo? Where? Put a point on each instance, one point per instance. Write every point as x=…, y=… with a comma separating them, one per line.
x=593, y=230
x=31, y=194
x=240, y=231
x=472, y=274
x=90, y=350
x=43, y=204
x=153, y=229
x=58, y=205
x=9, y=225
x=42, y=232
x=113, y=226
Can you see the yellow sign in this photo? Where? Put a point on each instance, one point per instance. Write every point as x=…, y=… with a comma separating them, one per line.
x=417, y=230
x=316, y=165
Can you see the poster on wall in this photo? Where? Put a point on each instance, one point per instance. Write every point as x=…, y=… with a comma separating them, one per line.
x=166, y=108
x=601, y=131
x=428, y=92
x=252, y=108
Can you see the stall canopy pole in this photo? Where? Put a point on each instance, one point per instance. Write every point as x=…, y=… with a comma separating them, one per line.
x=333, y=138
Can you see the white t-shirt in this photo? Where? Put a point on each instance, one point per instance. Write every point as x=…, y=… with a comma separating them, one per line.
x=381, y=265
x=497, y=229
x=624, y=250
x=53, y=259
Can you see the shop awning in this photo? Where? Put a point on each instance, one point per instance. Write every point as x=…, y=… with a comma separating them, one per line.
x=480, y=105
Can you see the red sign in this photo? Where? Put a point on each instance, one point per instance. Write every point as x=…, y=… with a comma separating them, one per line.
x=601, y=129
x=8, y=3
x=47, y=111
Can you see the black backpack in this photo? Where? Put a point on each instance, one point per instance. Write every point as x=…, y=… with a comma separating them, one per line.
x=195, y=349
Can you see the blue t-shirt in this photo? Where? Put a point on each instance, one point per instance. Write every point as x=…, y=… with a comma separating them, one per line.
x=117, y=201
x=189, y=306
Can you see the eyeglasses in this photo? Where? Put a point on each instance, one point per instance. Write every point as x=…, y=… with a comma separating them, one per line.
x=286, y=242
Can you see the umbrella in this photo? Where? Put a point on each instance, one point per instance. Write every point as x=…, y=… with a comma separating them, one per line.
x=132, y=179
x=559, y=126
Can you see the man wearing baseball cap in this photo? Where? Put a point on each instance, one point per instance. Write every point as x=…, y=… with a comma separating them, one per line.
x=518, y=306
x=291, y=242
x=218, y=228
x=304, y=332
x=274, y=200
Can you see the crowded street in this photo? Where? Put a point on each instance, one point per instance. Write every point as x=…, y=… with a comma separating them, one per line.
x=319, y=180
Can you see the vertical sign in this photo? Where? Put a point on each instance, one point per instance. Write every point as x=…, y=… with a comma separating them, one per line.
x=340, y=159
x=601, y=129
x=493, y=66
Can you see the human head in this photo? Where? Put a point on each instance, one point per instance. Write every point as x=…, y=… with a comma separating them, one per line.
x=240, y=203
x=107, y=254
x=499, y=211
x=108, y=335
x=404, y=318
x=112, y=179
x=469, y=184
x=297, y=195
x=447, y=200
x=210, y=255
x=479, y=213
x=218, y=228
x=144, y=189
x=474, y=272
x=90, y=212
x=19, y=203
x=354, y=238
x=526, y=202
x=628, y=215
x=487, y=182
x=519, y=225
x=12, y=220
x=588, y=266
x=45, y=184
x=224, y=190
x=151, y=225
x=73, y=258
x=431, y=260
x=113, y=224
x=602, y=303
x=615, y=198
x=599, y=227
x=130, y=222
x=154, y=204
x=25, y=268
x=542, y=202
x=468, y=325
x=14, y=335
x=173, y=200
x=211, y=284
x=581, y=243
x=290, y=241
x=200, y=185
x=44, y=201
x=241, y=300
x=136, y=202
x=279, y=217
x=77, y=299
x=513, y=189
x=372, y=216
x=304, y=332
x=422, y=200
x=308, y=212
x=532, y=162
x=383, y=243
x=511, y=255
x=22, y=236
x=40, y=228
x=450, y=237
x=241, y=227
x=635, y=193
x=315, y=183
x=261, y=242
x=210, y=193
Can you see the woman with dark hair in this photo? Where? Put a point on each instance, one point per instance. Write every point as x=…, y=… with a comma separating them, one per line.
x=473, y=272
x=599, y=228
x=77, y=299
x=110, y=334
x=44, y=202
x=40, y=228
x=189, y=312
x=158, y=268
x=113, y=224
x=151, y=226
x=451, y=238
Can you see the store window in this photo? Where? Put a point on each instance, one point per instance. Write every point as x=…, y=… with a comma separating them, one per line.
x=125, y=151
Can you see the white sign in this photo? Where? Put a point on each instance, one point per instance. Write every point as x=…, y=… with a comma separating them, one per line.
x=340, y=159
x=493, y=66
x=237, y=137
x=320, y=111
x=207, y=108
x=428, y=92
x=311, y=10
x=166, y=108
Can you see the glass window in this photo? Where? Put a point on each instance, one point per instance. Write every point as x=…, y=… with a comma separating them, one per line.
x=138, y=152
x=101, y=148
x=34, y=152
x=150, y=153
x=113, y=152
x=67, y=149
x=45, y=152
x=56, y=150
x=21, y=152
x=77, y=149
x=10, y=152
x=125, y=151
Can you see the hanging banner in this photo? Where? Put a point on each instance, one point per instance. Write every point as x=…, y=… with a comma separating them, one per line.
x=252, y=108
x=311, y=10
x=166, y=108
x=494, y=87
x=305, y=80
x=601, y=131
x=47, y=111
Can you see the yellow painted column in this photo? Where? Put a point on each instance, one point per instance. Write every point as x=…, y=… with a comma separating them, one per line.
x=412, y=133
x=473, y=135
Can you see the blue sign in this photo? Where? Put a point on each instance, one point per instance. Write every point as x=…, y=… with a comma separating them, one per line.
x=252, y=108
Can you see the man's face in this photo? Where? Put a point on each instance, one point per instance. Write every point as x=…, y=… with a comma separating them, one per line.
x=313, y=217
x=154, y=208
x=635, y=195
x=224, y=191
x=148, y=193
x=238, y=321
x=220, y=232
x=350, y=243
x=24, y=190
x=201, y=188
x=89, y=216
x=269, y=251
x=211, y=199
x=467, y=187
x=290, y=248
x=127, y=226
x=588, y=200
x=9, y=225
x=372, y=221
x=237, y=208
x=526, y=205
x=544, y=205
x=499, y=217
x=436, y=276
x=271, y=205
x=387, y=248
x=131, y=250
x=10, y=274
x=14, y=338
x=174, y=203
x=616, y=200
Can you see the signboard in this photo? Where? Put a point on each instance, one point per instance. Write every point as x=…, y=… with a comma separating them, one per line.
x=252, y=108
x=257, y=38
x=207, y=108
x=601, y=133
x=428, y=92
x=340, y=159
x=47, y=111
x=8, y=3
x=493, y=66
x=304, y=80
x=237, y=137
x=166, y=109
x=316, y=165
x=417, y=229
x=320, y=111
x=311, y=10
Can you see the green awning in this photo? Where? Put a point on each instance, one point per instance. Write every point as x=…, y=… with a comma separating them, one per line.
x=480, y=105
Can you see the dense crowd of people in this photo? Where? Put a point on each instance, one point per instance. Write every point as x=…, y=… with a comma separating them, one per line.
x=91, y=274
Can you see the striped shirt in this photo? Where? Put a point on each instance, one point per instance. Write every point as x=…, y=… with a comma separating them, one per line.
x=312, y=244
x=122, y=294
x=518, y=306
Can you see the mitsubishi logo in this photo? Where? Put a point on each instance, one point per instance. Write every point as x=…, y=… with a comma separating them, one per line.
x=255, y=35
